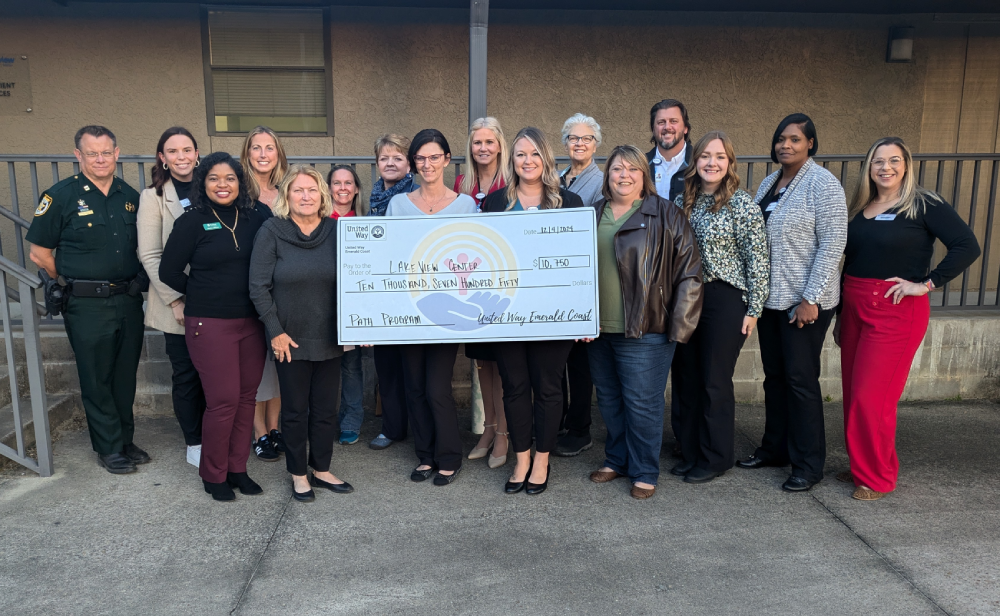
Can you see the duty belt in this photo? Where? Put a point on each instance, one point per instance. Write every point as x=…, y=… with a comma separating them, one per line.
x=96, y=288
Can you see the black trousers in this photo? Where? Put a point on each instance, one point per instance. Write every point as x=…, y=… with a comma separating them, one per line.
x=187, y=393
x=576, y=406
x=389, y=368
x=793, y=403
x=427, y=375
x=526, y=368
x=309, y=400
x=703, y=372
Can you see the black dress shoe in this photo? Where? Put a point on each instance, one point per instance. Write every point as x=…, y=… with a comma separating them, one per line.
x=242, y=481
x=116, y=463
x=755, y=462
x=682, y=468
x=443, y=480
x=303, y=497
x=538, y=488
x=135, y=454
x=338, y=488
x=797, y=484
x=421, y=475
x=700, y=475
x=219, y=491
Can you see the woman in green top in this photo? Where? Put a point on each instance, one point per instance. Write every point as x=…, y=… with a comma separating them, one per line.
x=649, y=293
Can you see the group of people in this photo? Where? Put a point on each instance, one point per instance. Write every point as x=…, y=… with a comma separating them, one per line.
x=241, y=261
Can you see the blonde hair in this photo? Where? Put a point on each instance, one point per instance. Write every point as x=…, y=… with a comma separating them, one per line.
x=253, y=186
x=503, y=156
x=693, y=181
x=630, y=155
x=551, y=199
x=912, y=197
x=394, y=141
x=281, y=204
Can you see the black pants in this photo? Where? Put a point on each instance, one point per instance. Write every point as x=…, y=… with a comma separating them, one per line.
x=187, y=393
x=427, y=375
x=576, y=406
x=794, y=430
x=389, y=367
x=309, y=400
x=526, y=368
x=106, y=335
x=703, y=372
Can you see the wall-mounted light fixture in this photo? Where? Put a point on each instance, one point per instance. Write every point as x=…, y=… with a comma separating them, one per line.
x=900, y=46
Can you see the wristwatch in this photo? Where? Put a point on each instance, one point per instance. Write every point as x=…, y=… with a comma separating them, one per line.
x=810, y=302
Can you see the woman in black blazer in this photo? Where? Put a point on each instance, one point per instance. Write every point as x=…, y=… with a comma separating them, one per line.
x=534, y=367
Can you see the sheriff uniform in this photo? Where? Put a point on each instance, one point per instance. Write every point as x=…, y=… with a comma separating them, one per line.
x=94, y=238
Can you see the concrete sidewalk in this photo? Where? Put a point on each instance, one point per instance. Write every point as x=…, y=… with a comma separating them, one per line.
x=87, y=542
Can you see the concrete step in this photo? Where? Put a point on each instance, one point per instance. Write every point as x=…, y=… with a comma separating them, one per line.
x=61, y=408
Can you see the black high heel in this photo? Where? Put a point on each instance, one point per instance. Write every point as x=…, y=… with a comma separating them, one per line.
x=247, y=486
x=219, y=491
x=513, y=487
x=538, y=488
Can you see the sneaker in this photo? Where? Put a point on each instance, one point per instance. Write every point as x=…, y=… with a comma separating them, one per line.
x=265, y=450
x=349, y=437
x=278, y=440
x=380, y=442
x=194, y=455
x=568, y=446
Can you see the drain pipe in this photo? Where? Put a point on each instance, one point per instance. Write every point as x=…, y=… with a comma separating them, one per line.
x=479, y=14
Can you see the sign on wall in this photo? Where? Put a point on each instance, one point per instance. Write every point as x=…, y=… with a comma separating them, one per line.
x=15, y=84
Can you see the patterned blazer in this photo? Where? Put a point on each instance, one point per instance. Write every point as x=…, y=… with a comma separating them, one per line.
x=806, y=233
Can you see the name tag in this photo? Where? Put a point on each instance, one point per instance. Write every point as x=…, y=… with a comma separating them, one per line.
x=886, y=217
x=85, y=212
x=185, y=203
x=771, y=207
x=211, y=226
x=659, y=176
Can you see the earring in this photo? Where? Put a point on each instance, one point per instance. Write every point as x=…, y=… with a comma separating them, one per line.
x=164, y=166
x=197, y=162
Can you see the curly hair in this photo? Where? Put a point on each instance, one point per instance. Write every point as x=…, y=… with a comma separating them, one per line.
x=200, y=198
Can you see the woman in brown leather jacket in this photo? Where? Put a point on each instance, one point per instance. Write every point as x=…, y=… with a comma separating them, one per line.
x=649, y=277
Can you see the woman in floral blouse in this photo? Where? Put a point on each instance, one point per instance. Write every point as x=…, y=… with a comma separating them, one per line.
x=736, y=268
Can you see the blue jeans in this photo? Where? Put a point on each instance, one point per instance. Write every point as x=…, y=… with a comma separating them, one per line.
x=352, y=391
x=630, y=375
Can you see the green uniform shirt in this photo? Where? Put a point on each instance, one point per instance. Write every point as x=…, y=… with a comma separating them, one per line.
x=609, y=294
x=94, y=236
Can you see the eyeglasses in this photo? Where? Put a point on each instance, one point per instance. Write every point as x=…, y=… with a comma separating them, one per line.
x=95, y=155
x=893, y=162
x=585, y=139
x=432, y=159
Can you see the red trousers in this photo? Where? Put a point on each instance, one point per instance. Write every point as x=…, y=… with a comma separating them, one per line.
x=878, y=340
x=229, y=357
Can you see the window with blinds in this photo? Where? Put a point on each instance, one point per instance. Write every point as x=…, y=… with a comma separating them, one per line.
x=268, y=67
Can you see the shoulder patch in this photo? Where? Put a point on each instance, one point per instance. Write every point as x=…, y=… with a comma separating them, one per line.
x=43, y=205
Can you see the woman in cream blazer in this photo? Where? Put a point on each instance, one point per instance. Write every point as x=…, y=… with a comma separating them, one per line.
x=159, y=206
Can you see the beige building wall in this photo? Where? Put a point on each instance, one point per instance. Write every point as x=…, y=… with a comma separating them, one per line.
x=738, y=72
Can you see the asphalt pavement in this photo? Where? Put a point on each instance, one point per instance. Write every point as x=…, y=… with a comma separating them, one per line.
x=87, y=542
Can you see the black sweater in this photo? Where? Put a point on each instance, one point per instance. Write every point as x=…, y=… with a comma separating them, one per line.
x=497, y=200
x=218, y=283
x=903, y=246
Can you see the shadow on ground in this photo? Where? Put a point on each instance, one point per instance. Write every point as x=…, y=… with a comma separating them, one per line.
x=86, y=542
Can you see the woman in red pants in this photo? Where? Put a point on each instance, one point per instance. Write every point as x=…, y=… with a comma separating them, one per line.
x=887, y=276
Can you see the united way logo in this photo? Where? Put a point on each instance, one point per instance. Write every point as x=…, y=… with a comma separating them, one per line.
x=463, y=273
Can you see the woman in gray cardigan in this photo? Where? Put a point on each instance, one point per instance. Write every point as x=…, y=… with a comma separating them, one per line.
x=293, y=278
x=581, y=134
x=805, y=211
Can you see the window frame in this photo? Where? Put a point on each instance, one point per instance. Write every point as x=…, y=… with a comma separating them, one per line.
x=206, y=54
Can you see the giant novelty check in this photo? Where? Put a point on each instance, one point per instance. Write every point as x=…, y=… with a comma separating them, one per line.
x=472, y=278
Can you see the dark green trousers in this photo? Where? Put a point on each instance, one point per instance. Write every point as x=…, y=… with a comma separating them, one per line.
x=106, y=336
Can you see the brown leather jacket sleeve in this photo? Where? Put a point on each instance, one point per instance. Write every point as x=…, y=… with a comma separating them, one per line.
x=687, y=283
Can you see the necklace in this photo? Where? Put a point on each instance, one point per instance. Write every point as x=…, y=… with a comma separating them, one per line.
x=231, y=229
x=431, y=206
